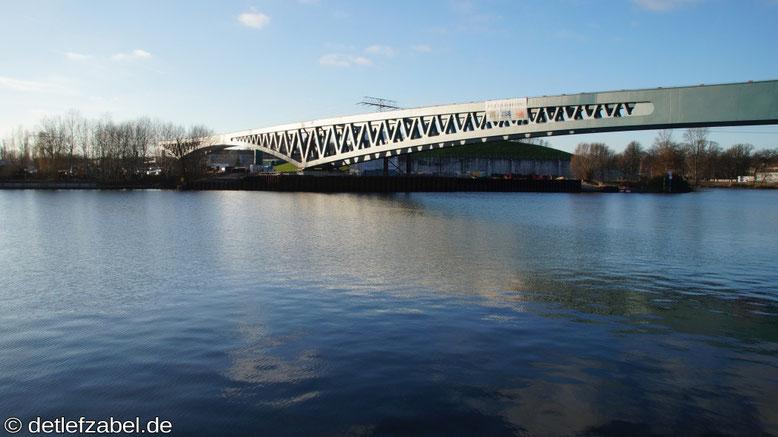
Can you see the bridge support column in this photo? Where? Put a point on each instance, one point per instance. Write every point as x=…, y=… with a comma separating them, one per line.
x=408, y=167
x=386, y=166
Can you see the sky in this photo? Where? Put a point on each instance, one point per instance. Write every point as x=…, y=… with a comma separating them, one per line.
x=234, y=65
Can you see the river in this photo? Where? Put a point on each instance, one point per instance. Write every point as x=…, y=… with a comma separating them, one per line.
x=261, y=313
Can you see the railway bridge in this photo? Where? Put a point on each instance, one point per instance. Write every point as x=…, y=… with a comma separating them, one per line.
x=357, y=138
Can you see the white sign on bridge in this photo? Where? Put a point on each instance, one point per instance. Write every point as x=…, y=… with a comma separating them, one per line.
x=507, y=110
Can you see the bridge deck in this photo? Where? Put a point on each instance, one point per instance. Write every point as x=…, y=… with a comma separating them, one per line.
x=356, y=138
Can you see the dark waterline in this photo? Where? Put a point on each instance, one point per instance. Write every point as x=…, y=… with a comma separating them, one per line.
x=257, y=313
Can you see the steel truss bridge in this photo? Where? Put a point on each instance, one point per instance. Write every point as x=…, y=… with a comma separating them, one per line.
x=364, y=137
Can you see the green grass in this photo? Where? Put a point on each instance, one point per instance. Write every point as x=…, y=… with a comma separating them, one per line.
x=286, y=167
x=290, y=168
x=496, y=150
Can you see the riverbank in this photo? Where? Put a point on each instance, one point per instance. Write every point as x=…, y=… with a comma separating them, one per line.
x=326, y=184
x=323, y=184
x=741, y=185
x=64, y=185
x=348, y=183
x=385, y=184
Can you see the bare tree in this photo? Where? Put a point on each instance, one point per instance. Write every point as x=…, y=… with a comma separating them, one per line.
x=696, y=151
x=665, y=155
x=8, y=151
x=110, y=151
x=143, y=138
x=106, y=149
x=69, y=126
x=711, y=165
x=83, y=139
x=736, y=160
x=590, y=161
x=8, y=157
x=23, y=141
x=630, y=160
x=124, y=133
x=182, y=144
x=16, y=148
x=50, y=145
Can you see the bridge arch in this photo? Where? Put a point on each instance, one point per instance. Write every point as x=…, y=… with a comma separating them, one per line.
x=357, y=138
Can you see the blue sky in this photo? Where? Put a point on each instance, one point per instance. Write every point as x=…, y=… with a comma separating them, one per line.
x=235, y=65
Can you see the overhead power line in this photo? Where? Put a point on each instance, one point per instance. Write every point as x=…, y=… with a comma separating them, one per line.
x=379, y=103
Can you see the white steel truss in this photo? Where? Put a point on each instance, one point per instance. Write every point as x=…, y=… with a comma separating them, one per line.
x=347, y=140
x=398, y=132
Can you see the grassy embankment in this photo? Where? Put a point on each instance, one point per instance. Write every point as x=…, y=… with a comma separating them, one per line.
x=286, y=167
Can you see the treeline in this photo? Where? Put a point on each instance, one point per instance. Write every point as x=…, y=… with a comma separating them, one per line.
x=695, y=158
x=72, y=147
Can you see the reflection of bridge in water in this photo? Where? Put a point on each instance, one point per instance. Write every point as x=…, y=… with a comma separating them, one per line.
x=364, y=137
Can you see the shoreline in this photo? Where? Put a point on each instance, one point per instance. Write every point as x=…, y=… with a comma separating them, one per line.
x=326, y=184
x=347, y=183
x=55, y=185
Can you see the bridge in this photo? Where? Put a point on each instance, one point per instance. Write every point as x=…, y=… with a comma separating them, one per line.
x=357, y=138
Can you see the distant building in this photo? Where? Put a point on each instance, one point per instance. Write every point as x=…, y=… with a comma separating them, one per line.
x=235, y=158
x=487, y=159
x=769, y=174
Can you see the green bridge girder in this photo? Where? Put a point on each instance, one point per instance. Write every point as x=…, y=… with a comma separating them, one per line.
x=363, y=137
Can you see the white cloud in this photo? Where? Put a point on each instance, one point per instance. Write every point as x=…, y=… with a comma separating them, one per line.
x=380, y=50
x=136, y=54
x=421, y=48
x=334, y=60
x=33, y=86
x=77, y=56
x=254, y=19
x=360, y=60
x=338, y=60
x=663, y=5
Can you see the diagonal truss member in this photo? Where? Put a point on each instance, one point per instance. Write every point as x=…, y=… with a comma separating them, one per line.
x=347, y=140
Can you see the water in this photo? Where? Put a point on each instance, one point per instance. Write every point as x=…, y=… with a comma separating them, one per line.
x=253, y=313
